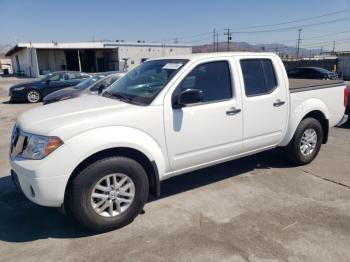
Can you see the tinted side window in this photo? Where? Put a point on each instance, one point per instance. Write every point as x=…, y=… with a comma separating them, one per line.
x=57, y=77
x=212, y=78
x=259, y=76
x=72, y=76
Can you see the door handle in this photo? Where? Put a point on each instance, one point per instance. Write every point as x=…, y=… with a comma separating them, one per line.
x=232, y=111
x=278, y=103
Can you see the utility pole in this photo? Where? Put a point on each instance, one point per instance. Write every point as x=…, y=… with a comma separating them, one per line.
x=217, y=41
x=229, y=38
x=214, y=40
x=321, y=50
x=298, y=44
x=333, y=46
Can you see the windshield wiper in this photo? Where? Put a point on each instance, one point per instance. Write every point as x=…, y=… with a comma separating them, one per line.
x=118, y=96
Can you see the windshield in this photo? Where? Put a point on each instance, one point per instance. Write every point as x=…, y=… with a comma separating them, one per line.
x=88, y=82
x=142, y=85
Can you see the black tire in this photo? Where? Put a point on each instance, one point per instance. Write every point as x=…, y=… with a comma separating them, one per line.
x=30, y=96
x=79, y=198
x=294, y=152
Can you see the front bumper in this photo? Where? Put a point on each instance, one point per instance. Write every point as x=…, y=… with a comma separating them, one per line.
x=44, y=181
x=17, y=96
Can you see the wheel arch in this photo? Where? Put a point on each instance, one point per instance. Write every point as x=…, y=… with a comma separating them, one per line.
x=150, y=166
x=309, y=108
x=318, y=115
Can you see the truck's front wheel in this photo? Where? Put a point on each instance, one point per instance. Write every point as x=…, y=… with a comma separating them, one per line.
x=306, y=143
x=109, y=193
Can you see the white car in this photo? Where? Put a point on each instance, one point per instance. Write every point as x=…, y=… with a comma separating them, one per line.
x=100, y=156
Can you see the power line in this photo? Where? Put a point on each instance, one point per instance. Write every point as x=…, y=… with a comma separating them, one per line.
x=330, y=42
x=270, y=25
x=198, y=40
x=293, y=27
x=298, y=20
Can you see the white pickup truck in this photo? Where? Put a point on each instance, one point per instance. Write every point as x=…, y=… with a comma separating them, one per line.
x=100, y=156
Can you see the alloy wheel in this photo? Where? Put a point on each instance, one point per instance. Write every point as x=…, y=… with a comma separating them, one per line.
x=112, y=195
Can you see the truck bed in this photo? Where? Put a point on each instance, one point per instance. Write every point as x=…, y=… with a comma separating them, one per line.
x=299, y=85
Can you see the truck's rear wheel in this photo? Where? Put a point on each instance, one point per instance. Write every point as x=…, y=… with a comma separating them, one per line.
x=109, y=193
x=306, y=143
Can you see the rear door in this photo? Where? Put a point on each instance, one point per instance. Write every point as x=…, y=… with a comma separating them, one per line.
x=265, y=102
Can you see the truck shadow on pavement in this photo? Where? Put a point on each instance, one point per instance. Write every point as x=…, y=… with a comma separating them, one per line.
x=23, y=221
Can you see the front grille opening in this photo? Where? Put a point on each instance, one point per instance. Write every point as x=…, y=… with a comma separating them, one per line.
x=32, y=191
x=25, y=143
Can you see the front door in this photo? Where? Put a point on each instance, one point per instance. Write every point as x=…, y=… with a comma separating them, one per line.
x=265, y=103
x=209, y=131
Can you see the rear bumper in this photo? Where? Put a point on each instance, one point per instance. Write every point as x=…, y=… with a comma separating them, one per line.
x=343, y=120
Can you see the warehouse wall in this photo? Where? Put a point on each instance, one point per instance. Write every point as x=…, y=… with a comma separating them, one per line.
x=24, y=62
x=51, y=60
x=136, y=54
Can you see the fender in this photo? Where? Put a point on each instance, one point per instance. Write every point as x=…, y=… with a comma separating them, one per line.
x=298, y=112
x=93, y=141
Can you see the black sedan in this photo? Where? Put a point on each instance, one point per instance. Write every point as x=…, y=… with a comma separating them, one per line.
x=34, y=91
x=311, y=73
x=94, y=85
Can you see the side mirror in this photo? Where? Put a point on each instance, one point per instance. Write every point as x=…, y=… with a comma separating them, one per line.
x=189, y=97
x=48, y=81
x=101, y=88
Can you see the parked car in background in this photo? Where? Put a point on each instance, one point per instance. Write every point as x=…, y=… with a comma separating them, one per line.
x=34, y=91
x=101, y=156
x=311, y=73
x=94, y=85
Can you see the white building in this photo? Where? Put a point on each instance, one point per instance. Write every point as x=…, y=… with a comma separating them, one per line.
x=34, y=59
x=5, y=66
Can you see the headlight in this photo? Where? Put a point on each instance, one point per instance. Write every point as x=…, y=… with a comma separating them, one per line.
x=19, y=88
x=39, y=147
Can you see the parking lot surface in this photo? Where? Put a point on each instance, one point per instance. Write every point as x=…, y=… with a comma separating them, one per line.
x=258, y=208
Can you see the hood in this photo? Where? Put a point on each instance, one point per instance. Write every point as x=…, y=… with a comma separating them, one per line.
x=73, y=116
x=26, y=84
x=62, y=94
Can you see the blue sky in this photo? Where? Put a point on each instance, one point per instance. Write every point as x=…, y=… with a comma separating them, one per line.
x=161, y=20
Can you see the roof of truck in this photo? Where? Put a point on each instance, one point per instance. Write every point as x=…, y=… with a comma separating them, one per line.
x=213, y=55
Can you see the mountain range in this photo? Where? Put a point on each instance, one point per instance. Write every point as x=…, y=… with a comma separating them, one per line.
x=4, y=49
x=284, y=50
